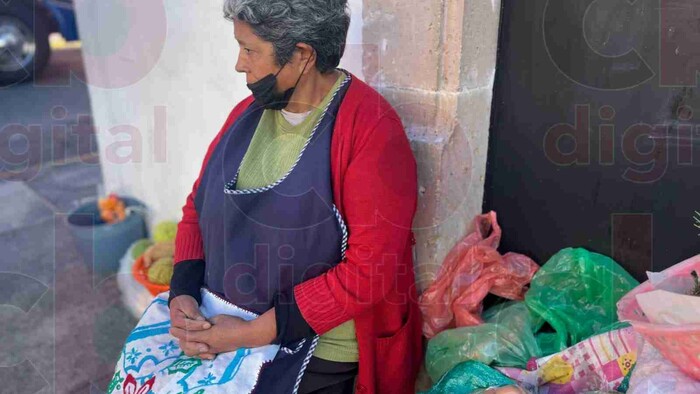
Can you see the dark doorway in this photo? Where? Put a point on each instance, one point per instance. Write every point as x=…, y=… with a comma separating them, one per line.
x=594, y=138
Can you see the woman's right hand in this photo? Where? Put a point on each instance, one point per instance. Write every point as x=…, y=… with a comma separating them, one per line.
x=185, y=314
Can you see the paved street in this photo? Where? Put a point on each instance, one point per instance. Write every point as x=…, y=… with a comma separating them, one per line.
x=60, y=329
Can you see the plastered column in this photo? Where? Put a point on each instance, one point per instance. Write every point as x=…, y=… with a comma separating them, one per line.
x=435, y=62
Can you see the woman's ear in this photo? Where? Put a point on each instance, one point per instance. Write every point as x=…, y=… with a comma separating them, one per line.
x=306, y=53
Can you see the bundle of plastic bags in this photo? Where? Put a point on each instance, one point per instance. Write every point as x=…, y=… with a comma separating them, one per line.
x=571, y=298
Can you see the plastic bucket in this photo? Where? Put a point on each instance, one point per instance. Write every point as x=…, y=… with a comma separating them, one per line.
x=103, y=244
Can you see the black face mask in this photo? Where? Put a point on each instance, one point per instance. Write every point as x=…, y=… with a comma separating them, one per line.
x=265, y=94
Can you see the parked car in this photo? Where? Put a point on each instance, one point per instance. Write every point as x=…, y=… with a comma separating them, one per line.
x=25, y=26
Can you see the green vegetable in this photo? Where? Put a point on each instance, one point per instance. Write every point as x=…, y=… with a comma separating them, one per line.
x=139, y=247
x=161, y=271
x=165, y=231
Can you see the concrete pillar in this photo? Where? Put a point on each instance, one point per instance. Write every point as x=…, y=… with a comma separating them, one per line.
x=435, y=62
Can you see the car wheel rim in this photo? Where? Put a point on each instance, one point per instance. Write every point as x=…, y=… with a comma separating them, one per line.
x=17, y=46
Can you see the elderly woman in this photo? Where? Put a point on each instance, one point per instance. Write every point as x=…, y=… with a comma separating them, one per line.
x=293, y=258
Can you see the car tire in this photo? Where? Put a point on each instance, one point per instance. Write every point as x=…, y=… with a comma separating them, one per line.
x=19, y=28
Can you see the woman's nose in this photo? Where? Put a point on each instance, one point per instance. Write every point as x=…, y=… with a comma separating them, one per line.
x=240, y=65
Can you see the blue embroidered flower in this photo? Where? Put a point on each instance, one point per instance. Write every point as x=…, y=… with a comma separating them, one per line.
x=133, y=355
x=209, y=379
x=168, y=347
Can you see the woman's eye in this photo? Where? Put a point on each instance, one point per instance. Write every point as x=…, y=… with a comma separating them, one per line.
x=247, y=50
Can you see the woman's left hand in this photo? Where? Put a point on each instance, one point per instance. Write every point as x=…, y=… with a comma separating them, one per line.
x=226, y=334
x=229, y=333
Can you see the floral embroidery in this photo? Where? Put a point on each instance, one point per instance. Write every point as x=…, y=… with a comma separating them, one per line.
x=209, y=379
x=115, y=383
x=130, y=386
x=152, y=356
x=184, y=365
x=133, y=355
x=168, y=347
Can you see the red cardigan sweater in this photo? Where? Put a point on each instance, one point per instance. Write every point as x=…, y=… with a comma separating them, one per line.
x=375, y=189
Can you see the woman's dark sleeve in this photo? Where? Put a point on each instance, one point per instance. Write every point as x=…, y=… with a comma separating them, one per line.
x=291, y=325
x=188, y=278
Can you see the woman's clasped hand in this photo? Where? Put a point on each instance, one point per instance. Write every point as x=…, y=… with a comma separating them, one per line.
x=204, y=338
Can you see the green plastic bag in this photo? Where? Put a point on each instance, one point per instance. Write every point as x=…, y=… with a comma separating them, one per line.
x=548, y=342
x=576, y=292
x=505, y=339
x=467, y=377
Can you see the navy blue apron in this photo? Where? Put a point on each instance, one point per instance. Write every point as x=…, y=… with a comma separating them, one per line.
x=261, y=241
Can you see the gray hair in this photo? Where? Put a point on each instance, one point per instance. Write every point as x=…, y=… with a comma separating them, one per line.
x=322, y=24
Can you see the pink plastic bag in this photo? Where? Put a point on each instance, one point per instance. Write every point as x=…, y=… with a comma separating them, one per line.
x=471, y=270
x=653, y=374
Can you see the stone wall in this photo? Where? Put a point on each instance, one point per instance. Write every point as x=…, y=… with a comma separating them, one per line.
x=435, y=62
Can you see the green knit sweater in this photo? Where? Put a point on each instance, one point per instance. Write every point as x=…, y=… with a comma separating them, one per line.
x=273, y=149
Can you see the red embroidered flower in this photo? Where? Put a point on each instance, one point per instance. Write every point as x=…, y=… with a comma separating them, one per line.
x=130, y=386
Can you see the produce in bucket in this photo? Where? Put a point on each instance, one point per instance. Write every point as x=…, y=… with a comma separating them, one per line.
x=161, y=271
x=157, y=251
x=140, y=247
x=112, y=208
x=165, y=231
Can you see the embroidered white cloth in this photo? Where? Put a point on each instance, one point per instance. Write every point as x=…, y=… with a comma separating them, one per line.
x=152, y=361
